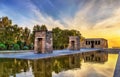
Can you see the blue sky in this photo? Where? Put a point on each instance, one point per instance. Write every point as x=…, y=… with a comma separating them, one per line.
x=93, y=18
x=23, y=11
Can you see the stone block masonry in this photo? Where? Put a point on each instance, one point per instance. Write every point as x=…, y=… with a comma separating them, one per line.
x=74, y=43
x=43, y=42
x=94, y=43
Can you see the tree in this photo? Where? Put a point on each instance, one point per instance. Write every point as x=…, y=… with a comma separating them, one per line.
x=61, y=37
x=13, y=34
x=26, y=36
x=4, y=22
x=36, y=28
x=43, y=27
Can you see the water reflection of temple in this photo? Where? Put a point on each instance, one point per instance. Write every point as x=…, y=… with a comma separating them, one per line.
x=66, y=62
x=39, y=67
x=99, y=57
x=45, y=67
x=42, y=67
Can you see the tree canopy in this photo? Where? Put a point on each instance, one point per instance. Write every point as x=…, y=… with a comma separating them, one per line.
x=11, y=35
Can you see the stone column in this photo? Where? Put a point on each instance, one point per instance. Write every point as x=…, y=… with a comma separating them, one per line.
x=44, y=38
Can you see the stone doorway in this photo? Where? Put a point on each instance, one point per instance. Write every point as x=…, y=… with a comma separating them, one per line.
x=72, y=45
x=39, y=45
x=92, y=44
x=43, y=42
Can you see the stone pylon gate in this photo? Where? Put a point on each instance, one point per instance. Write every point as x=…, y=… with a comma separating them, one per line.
x=74, y=43
x=43, y=42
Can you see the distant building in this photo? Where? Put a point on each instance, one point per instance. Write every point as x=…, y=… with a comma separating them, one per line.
x=94, y=43
x=43, y=42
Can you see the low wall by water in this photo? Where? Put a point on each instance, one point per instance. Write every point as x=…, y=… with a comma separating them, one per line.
x=112, y=50
x=14, y=51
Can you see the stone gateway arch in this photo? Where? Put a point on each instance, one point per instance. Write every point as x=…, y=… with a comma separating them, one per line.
x=43, y=42
x=74, y=43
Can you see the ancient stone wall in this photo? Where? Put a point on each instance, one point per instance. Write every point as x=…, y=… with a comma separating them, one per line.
x=43, y=42
x=94, y=43
x=74, y=43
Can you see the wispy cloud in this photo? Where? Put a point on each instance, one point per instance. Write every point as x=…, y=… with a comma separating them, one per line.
x=93, y=18
x=41, y=18
x=98, y=19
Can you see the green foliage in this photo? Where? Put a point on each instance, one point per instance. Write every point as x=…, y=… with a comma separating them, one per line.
x=21, y=44
x=16, y=47
x=26, y=35
x=31, y=46
x=25, y=48
x=2, y=46
x=43, y=27
x=36, y=28
x=61, y=37
x=12, y=34
x=39, y=28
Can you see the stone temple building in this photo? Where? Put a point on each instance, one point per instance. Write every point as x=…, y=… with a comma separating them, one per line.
x=74, y=43
x=94, y=43
x=43, y=42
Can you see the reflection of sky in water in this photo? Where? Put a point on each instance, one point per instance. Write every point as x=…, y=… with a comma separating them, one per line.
x=92, y=69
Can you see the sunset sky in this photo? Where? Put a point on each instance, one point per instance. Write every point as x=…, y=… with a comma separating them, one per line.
x=93, y=18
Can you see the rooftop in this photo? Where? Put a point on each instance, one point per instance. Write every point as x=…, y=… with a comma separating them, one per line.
x=95, y=39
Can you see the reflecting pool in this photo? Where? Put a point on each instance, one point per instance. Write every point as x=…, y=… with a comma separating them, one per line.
x=88, y=64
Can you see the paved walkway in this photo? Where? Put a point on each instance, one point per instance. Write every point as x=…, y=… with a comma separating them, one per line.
x=32, y=55
x=117, y=68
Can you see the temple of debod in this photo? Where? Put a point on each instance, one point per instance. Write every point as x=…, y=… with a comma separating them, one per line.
x=44, y=43
x=91, y=50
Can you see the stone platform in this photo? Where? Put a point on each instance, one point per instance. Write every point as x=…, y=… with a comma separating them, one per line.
x=31, y=55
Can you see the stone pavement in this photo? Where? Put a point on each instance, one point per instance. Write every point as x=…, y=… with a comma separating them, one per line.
x=32, y=55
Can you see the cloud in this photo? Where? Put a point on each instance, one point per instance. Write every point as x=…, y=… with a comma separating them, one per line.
x=15, y=15
x=93, y=18
x=31, y=17
x=41, y=18
x=98, y=20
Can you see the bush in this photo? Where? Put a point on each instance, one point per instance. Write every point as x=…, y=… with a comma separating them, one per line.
x=2, y=47
x=16, y=47
x=21, y=44
x=26, y=48
x=31, y=46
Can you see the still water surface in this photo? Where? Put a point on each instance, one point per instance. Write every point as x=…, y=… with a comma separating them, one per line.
x=89, y=64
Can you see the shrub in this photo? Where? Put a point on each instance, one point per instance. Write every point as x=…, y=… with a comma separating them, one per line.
x=16, y=47
x=26, y=48
x=21, y=44
x=2, y=47
x=31, y=46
